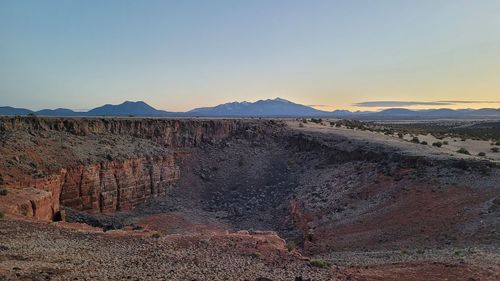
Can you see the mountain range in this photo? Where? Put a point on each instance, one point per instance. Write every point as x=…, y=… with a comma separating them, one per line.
x=276, y=107
x=262, y=108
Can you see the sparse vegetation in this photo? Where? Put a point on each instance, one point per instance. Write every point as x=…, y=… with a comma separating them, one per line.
x=332, y=123
x=252, y=197
x=350, y=124
x=1, y=215
x=321, y=263
x=33, y=165
x=156, y=235
x=256, y=255
x=317, y=121
x=3, y=192
x=463, y=151
x=415, y=140
x=445, y=142
x=24, y=210
x=437, y=144
x=441, y=130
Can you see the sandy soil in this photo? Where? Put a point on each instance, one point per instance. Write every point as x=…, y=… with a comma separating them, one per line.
x=44, y=251
x=445, y=151
x=356, y=205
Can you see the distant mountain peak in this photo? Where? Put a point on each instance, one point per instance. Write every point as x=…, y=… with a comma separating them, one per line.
x=134, y=102
x=277, y=107
x=268, y=107
x=136, y=108
x=282, y=100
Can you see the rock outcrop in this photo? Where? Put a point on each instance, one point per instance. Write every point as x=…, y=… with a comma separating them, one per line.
x=116, y=185
x=96, y=165
x=171, y=132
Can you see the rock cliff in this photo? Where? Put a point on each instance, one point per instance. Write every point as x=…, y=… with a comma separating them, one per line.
x=96, y=165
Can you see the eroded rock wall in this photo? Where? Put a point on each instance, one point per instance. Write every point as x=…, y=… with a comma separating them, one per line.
x=80, y=177
x=117, y=185
x=171, y=133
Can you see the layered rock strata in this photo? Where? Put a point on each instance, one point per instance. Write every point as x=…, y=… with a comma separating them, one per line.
x=96, y=165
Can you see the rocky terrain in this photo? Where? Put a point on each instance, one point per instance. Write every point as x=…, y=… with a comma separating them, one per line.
x=155, y=199
x=98, y=165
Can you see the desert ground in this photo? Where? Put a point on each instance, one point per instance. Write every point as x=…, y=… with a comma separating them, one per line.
x=270, y=199
x=454, y=143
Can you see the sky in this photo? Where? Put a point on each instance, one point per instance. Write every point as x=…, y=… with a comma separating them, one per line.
x=178, y=55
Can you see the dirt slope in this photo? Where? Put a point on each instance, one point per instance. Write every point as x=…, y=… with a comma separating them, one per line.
x=240, y=199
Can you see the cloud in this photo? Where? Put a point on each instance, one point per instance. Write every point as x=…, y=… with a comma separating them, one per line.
x=469, y=101
x=414, y=103
x=398, y=103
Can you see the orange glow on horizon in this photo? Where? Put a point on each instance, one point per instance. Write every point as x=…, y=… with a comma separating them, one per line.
x=414, y=107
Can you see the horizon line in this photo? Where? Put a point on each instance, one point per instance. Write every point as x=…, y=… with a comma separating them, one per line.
x=381, y=108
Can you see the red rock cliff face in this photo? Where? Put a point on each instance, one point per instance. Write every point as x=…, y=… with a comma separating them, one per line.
x=112, y=186
x=105, y=184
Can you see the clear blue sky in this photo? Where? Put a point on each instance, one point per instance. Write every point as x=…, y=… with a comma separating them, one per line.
x=176, y=55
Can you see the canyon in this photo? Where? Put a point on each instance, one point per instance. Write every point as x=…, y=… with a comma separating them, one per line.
x=50, y=162
x=283, y=198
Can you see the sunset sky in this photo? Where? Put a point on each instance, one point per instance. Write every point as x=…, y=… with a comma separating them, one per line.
x=177, y=55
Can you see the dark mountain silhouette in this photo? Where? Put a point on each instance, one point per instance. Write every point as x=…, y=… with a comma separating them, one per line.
x=57, y=112
x=8, y=110
x=442, y=113
x=263, y=108
x=394, y=112
x=127, y=108
x=485, y=112
x=275, y=107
